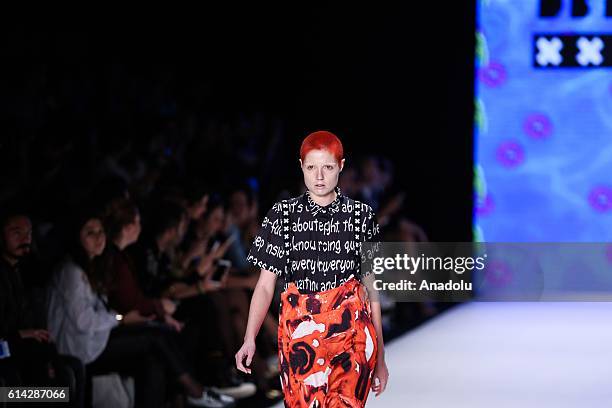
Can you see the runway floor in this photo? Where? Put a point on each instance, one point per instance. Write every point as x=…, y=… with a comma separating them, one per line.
x=515, y=354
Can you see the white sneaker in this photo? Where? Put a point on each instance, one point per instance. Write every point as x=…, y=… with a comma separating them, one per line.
x=211, y=399
x=227, y=399
x=240, y=391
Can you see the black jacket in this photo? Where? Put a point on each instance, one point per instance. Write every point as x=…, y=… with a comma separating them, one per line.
x=12, y=301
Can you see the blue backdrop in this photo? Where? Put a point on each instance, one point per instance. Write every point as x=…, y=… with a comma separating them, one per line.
x=543, y=131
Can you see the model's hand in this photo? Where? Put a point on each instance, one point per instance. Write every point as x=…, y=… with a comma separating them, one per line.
x=246, y=352
x=380, y=378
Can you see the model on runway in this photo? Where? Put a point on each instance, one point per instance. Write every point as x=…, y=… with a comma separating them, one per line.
x=331, y=350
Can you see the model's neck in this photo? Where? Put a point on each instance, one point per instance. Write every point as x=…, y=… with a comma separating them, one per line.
x=325, y=200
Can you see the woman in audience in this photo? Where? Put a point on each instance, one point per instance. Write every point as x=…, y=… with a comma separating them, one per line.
x=122, y=224
x=83, y=325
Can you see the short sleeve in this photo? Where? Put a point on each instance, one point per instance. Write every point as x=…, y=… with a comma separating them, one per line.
x=267, y=251
x=371, y=233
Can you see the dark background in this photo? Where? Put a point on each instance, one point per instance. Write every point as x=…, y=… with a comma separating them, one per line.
x=395, y=81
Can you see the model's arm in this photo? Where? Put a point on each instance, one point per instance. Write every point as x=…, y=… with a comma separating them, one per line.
x=368, y=282
x=260, y=303
x=381, y=372
x=377, y=321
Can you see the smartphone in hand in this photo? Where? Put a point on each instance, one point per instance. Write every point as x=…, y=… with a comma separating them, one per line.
x=222, y=267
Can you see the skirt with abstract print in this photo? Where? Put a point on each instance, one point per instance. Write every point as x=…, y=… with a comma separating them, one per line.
x=327, y=347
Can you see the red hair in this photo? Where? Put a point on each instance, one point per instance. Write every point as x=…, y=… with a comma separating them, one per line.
x=322, y=140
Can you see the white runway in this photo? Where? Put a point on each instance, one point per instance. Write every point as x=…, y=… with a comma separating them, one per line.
x=519, y=355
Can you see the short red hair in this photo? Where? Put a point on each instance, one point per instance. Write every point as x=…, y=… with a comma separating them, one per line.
x=322, y=140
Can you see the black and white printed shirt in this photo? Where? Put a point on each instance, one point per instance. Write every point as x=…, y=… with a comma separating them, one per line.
x=323, y=241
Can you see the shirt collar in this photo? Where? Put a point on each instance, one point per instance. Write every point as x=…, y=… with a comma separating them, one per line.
x=332, y=207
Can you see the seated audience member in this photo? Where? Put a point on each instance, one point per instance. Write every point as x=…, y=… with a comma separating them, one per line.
x=122, y=224
x=29, y=357
x=195, y=201
x=83, y=324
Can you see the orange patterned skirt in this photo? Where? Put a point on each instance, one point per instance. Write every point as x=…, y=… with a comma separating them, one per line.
x=327, y=347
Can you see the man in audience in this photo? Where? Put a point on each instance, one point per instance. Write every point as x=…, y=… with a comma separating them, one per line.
x=28, y=357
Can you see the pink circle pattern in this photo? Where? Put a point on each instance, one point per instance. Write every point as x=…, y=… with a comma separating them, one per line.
x=493, y=75
x=485, y=207
x=510, y=154
x=498, y=273
x=600, y=198
x=538, y=126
